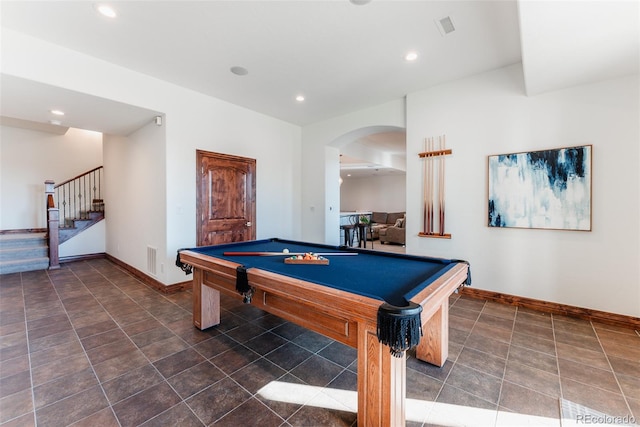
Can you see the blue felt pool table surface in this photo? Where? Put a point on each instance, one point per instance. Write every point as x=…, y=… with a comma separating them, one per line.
x=393, y=278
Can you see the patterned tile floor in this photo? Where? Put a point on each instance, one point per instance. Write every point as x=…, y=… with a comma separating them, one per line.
x=89, y=345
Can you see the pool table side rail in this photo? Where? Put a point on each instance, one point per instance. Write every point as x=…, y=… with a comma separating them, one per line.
x=441, y=288
x=328, y=311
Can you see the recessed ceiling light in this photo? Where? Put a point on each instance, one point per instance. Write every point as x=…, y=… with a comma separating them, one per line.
x=360, y=2
x=239, y=71
x=57, y=112
x=55, y=122
x=300, y=98
x=106, y=10
x=411, y=56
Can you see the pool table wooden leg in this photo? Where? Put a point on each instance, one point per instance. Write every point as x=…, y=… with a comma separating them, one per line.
x=434, y=345
x=206, y=302
x=381, y=382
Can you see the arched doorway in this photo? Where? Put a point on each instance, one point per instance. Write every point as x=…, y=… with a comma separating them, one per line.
x=372, y=165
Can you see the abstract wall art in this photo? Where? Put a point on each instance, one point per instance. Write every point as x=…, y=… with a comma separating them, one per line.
x=548, y=189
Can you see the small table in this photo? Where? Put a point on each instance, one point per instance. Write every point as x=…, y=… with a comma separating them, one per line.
x=341, y=301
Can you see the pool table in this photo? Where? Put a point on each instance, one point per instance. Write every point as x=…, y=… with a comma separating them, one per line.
x=340, y=300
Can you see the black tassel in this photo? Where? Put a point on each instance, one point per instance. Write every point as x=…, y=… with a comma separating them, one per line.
x=242, y=284
x=242, y=281
x=184, y=267
x=399, y=327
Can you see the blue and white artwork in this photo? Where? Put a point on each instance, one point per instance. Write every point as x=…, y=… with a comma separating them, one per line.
x=541, y=189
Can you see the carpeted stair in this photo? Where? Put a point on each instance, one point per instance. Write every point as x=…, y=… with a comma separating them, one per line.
x=23, y=252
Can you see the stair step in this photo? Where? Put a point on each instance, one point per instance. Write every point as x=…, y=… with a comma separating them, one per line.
x=19, y=266
x=23, y=252
x=14, y=240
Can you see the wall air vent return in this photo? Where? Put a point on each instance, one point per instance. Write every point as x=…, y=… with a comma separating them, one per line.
x=445, y=25
x=151, y=260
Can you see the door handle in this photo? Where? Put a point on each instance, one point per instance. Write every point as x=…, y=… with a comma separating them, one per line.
x=248, y=224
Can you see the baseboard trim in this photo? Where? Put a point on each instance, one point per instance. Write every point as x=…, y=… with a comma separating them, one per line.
x=150, y=281
x=74, y=258
x=555, y=308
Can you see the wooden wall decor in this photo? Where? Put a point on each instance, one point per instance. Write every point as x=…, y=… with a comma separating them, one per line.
x=433, y=187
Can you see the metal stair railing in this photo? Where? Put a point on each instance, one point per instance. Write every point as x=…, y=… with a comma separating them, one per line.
x=79, y=196
x=76, y=199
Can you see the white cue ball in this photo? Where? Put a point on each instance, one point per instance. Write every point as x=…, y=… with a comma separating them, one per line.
x=285, y=251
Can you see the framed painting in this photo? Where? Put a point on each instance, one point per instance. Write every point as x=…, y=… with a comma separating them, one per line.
x=547, y=189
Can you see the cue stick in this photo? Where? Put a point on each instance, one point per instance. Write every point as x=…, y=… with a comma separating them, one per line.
x=431, y=187
x=426, y=183
x=424, y=189
x=441, y=185
x=285, y=253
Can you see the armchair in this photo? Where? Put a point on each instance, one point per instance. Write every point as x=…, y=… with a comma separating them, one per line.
x=395, y=233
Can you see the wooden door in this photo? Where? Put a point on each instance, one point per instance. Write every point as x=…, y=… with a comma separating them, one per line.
x=226, y=198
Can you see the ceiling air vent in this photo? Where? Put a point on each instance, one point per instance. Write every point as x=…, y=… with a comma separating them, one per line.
x=445, y=25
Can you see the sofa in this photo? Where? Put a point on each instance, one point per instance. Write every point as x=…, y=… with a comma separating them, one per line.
x=395, y=233
x=383, y=220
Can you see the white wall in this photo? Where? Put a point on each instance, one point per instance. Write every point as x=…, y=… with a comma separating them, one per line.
x=134, y=197
x=489, y=114
x=90, y=241
x=28, y=159
x=192, y=120
x=385, y=193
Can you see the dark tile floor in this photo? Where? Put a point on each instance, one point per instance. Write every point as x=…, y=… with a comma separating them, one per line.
x=89, y=345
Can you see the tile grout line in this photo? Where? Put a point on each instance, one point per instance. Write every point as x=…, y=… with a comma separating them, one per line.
x=615, y=375
x=557, y=356
x=26, y=331
x=506, y=362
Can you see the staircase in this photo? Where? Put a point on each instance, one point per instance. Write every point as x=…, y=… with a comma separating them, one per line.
x=23, y=252
x=73, y=226
x=78, y=208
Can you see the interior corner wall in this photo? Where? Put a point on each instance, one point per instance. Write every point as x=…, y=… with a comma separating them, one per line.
x=489, y=114
x=28, y=159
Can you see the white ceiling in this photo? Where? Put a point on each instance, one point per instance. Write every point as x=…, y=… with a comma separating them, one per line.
x=31, y=102
x=389, y=145
x=341, y=56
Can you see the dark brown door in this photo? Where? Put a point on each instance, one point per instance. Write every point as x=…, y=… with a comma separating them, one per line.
x=226, y=198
